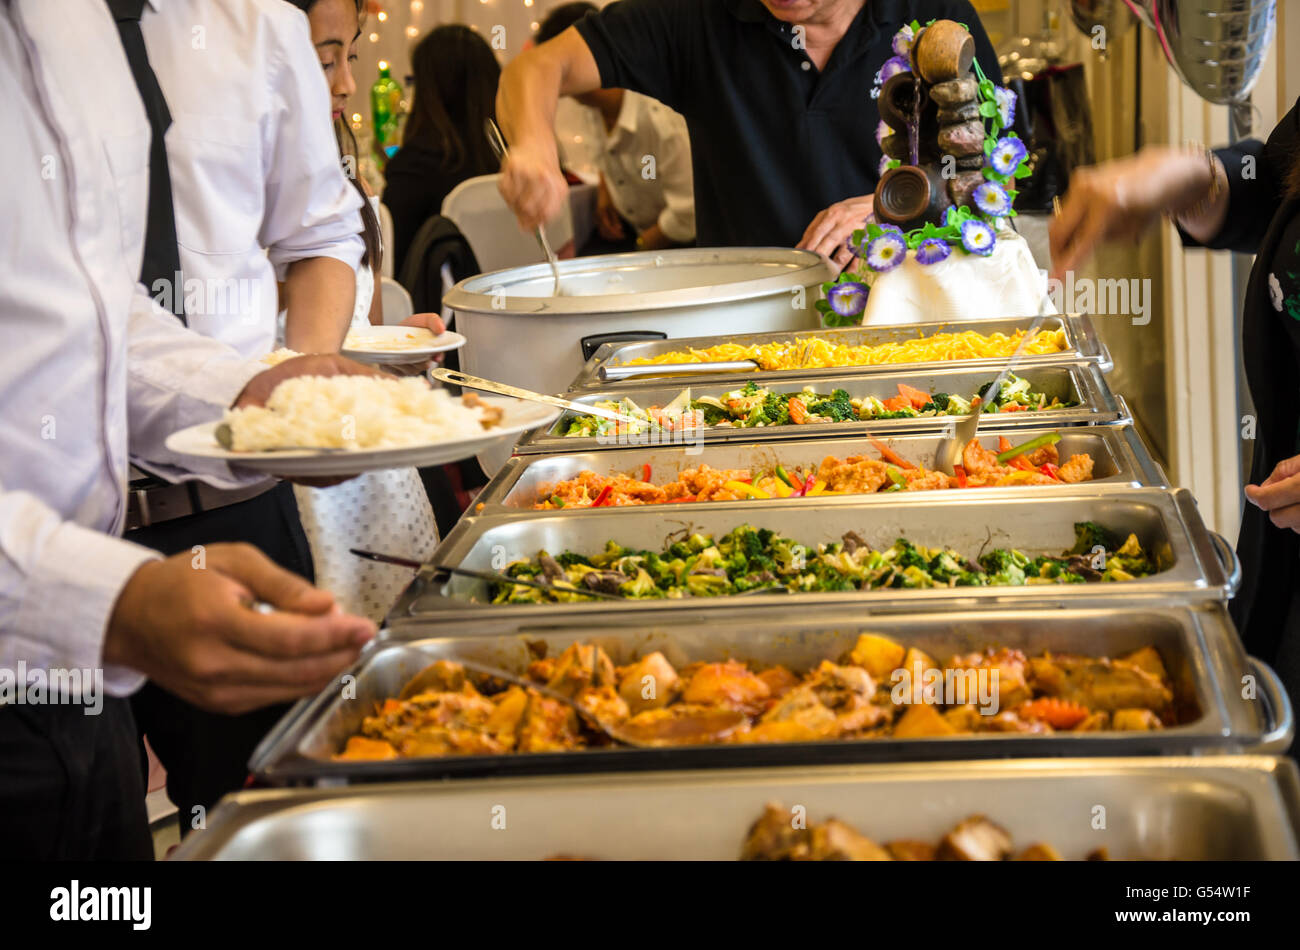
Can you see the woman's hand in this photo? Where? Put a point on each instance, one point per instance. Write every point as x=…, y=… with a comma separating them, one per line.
x=428, y=321
x=1120, y=200
x=1280, y=494
x=830, y=231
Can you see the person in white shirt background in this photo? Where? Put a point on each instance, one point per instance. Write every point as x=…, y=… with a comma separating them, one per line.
x=265, y=219
x=93, y=371
x=642, y=152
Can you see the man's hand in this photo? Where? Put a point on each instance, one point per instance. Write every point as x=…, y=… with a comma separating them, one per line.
x=608, y=222
x=533, y=186
x=830, y=231
x=1280, y=494
x=194, y=630
x=259, y=388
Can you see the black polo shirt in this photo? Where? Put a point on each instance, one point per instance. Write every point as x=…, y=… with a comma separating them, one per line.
x=773, y=139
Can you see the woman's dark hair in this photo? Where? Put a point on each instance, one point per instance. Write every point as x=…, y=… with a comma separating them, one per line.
x=561, y=18
x=347, y=143
x=456, y=77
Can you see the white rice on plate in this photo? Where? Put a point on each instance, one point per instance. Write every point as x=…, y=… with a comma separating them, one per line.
x=356, y=412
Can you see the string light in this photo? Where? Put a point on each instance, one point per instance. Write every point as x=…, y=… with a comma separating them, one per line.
x=374, y=37
x=528, y=3
x=381, y=16
x=383, y=64
x=533, y=26
x=416, y=6
x=412, y=31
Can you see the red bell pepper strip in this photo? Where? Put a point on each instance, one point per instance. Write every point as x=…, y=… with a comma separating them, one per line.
x=645, y=472
x=600, y=498
x=1050, y=470
x=1022, y=463
x=960, y=472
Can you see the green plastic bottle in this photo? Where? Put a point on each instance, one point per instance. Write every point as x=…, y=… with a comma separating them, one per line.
x=385, y=107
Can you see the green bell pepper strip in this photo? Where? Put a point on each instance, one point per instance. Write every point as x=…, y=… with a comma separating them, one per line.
x=1051, y=438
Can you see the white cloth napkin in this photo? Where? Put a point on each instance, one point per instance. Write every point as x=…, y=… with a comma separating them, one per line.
x=1007, y=283
x=386, y=511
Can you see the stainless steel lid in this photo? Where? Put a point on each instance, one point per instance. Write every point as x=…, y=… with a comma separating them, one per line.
x=645, y=280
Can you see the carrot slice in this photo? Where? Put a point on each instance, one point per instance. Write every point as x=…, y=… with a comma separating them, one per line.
x=896, y=403
x=913, y=395
x=1057, y=713
x=888, y=454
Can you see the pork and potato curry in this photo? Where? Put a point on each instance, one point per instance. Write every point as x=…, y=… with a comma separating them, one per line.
x=880, y=689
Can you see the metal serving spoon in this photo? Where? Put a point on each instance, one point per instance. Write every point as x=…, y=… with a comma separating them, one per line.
x=498, y=143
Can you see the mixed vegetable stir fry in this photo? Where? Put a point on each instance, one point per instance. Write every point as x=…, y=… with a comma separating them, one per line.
x=754, y=406
x=1035, y=462
x=749, y=559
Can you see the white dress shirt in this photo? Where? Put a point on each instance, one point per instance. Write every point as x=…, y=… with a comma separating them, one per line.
x=92, y=369
x=646, y=162
x=255, y=170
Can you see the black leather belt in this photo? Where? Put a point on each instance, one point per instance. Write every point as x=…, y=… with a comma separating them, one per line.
x=152, y=501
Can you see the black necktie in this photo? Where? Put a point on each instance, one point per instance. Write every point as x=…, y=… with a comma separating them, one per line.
x=162, y=257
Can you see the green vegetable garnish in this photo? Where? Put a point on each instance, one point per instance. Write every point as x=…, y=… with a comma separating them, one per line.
x=1051, y=438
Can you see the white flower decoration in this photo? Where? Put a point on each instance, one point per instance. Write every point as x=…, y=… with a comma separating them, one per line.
x=1275, y=291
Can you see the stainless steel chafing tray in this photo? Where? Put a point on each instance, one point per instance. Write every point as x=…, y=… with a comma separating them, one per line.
x=1199, y=647
x=1171, y=808
x=1196, y=564
x=1073, y=382
x=1082, y=343
x=1120, y=460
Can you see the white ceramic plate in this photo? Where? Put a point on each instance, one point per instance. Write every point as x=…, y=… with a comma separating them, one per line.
x=389, y=344
x=200, y=441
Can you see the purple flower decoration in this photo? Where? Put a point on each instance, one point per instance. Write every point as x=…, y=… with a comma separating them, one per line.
x=992, y=199
x=886, y=251
x=932, y=251
x=881, y=131
x=848, y=299
x=1006, y=100
x=893, y=66
x=977, y=237
x=902, y=44
x=1007, y=154
x=891, y=229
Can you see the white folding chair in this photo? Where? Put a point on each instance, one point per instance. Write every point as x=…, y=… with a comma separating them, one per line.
x=478, y=210
x=397, y=302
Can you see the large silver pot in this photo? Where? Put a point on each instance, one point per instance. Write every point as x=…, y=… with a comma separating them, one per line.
x=520, y=334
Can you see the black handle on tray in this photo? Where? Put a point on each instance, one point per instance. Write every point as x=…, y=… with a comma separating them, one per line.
x=590, y=344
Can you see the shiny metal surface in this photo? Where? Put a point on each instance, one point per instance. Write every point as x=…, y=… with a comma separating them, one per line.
x=1120, y=460
x=1217, y=47
x=1166, y=523
x=1199, y=647
x=1076, y=382
x=1168, y=808
x=1081, y=337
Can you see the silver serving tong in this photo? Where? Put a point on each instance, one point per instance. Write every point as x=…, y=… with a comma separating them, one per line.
x=457, y=378
x=488, y=576
x=498, y=143
x=674, y=369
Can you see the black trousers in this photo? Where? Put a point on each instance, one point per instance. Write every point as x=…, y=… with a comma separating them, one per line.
x=206, y=754
x=70, y=784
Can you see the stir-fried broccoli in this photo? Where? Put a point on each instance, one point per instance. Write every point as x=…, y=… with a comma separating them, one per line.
x=837, y=407
x=938, y=403
x=749, y=558
x=776, y=409
x=1088, y=536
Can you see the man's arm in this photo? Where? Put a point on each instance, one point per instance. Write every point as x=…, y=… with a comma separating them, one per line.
x=530, y=87
x=311, y=227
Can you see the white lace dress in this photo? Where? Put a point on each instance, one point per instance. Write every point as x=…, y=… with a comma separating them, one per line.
x=386, y=511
